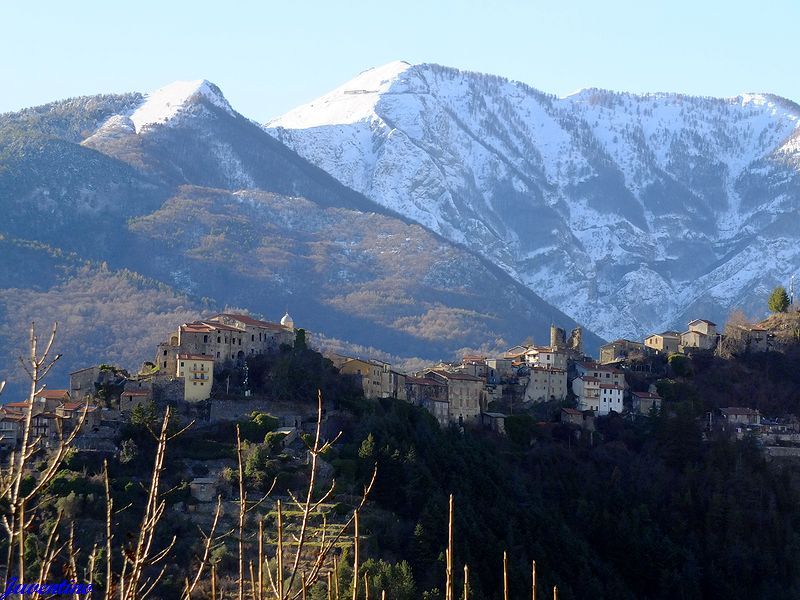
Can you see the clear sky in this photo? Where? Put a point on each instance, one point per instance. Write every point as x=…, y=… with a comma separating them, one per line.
x=270, y=56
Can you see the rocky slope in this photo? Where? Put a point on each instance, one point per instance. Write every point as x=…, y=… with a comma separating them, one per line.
x=631, y=213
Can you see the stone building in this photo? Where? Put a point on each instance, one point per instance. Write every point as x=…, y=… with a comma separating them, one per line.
x=546, y=384
x=224, y=337
x=499, y=370
x=130, y=399
x=377, y=379
x=430, y=394
x=620, y=350
x=82, y=382
x=466, y=396
x=701, y=335
x=749, y=338
x=666, y=342
x=739, y=415
x=643, y=403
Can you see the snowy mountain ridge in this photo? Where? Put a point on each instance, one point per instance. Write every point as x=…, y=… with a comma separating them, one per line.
x=631, y=213
x=166, y=103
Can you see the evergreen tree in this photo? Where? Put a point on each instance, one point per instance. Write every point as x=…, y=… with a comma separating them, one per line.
x=778, y=300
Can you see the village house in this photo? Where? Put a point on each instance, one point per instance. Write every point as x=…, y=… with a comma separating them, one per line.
x=603, y=373
x=50, y=399
x=465, y=395
x=132, y=396
x=619, y=350
x=546, y=356
x=587, y=391
x=494, y=421
x=473, y=365
x=431, y=394
x=197, y=372
x=611, y=398
x=203, y=489
x=572, y=416
x=71, y=413
x=644, y=403
x=702, y=335
x=499, y=370
x=11, y=424
x=598, y=396
x=393, y=384
x=365, y=372
x=583, y=419
x=738, y=415
x=45, y=424
x=53, y=414
x=750, y=338
x=516, y=353
x=377, y=379
x=666, y=342
x=225, y=337
x=546, y=384
x=81, y=382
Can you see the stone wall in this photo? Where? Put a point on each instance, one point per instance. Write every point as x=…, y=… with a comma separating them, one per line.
x=290, y=415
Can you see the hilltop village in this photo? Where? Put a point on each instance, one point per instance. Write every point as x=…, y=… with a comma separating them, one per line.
x=194, y=365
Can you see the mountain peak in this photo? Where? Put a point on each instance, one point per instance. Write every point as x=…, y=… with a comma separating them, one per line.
x=166, y=102
x=351, y=102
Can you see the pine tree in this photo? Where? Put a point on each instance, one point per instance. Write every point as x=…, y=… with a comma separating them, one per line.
x=778, y=300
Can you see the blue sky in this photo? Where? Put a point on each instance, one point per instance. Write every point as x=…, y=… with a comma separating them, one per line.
x=271, y=56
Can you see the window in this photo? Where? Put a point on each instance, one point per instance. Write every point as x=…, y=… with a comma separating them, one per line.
x=165, y=352
x=219, y=339
x=240, y=341
x=253, y=338
x=181, y=363
x=217, y=354
x=205, y=339
x=165, y=364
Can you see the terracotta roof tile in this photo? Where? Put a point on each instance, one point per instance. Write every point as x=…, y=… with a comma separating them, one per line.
x=52, y=394
x=203, y=357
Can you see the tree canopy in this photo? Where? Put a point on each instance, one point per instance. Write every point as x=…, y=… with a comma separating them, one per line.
x=778, y=300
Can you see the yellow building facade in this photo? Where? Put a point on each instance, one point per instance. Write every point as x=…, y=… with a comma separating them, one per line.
x=197, y=372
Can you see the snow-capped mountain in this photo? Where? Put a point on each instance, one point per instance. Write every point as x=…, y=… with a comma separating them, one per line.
x=151, y=209
x=631, y=213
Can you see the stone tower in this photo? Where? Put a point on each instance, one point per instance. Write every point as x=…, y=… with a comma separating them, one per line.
x=575, y=342
x=558, y=338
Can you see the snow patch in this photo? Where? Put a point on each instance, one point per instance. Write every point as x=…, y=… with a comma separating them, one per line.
x=352, y=102
x=167, y=102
